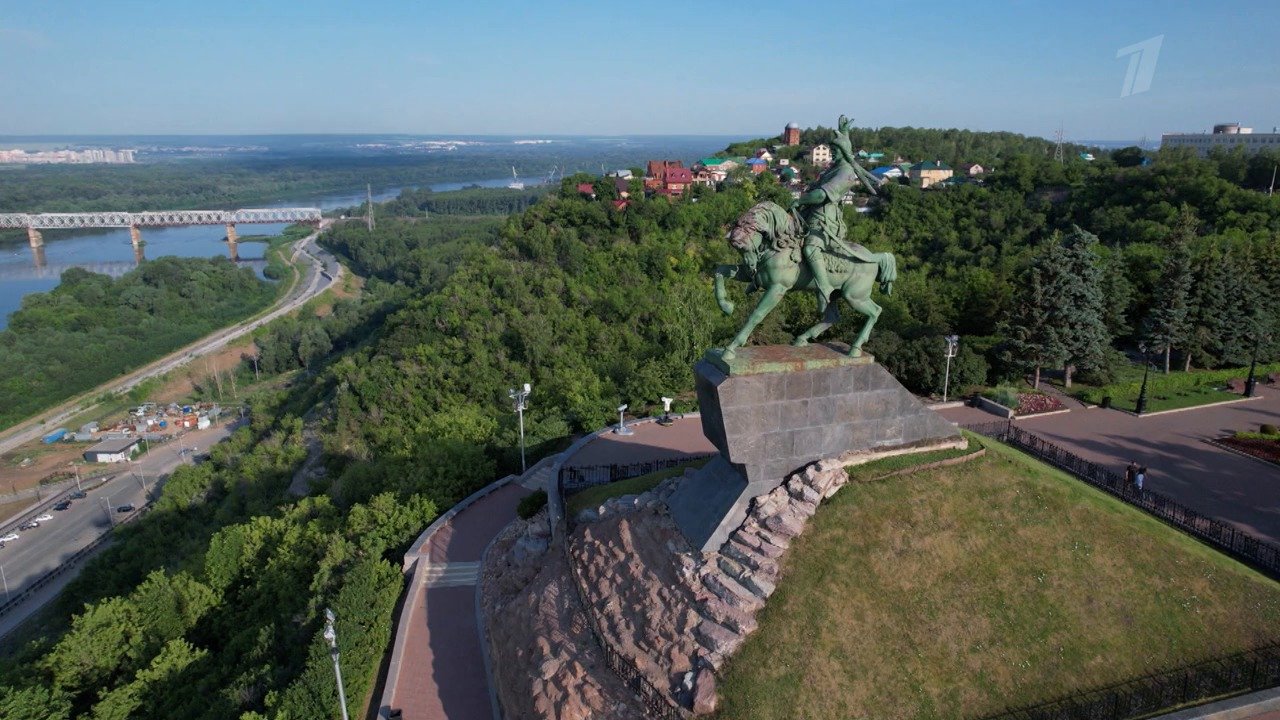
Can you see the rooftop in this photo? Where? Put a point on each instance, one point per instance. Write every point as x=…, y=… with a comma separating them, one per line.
x=114, y=445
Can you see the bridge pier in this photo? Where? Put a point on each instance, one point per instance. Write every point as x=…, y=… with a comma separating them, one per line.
x=231, y=241
x=37, y=252
x=135, y=236
x=34, y=237
x=138, y=254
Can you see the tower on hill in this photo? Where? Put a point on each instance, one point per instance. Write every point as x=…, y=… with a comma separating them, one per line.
x=791, y=135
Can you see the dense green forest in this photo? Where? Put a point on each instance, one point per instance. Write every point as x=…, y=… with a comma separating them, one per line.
x=220, y=183
x=209, y=608
x=91, y=328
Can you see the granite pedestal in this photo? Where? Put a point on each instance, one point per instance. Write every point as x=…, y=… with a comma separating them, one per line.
x=773, y=409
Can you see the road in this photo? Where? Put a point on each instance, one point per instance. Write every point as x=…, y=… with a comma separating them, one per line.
x=42, y=549
x=319, y=274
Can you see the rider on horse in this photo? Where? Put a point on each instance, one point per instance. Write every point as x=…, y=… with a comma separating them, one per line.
x=823, y=215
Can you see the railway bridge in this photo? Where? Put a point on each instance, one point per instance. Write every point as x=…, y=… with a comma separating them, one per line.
x=34, y=223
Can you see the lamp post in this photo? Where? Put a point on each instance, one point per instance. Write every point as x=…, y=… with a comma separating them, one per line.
x=666, y=420
x=953, y=342
x=331, y=636
x=519, y=399
x=6, y=584
x=1146, y=369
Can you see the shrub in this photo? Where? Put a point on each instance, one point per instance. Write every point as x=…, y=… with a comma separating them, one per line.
x=1268, y=429
x=1004, y=395
x=531, y=504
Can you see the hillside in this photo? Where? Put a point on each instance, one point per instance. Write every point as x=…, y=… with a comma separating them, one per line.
x=998, y=583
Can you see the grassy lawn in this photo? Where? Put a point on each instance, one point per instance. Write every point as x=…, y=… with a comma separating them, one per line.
x=594, y=496
x=1158, y=400
x=890, y=465
x=961, y=591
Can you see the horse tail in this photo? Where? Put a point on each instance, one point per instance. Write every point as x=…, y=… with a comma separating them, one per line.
x=887, y=268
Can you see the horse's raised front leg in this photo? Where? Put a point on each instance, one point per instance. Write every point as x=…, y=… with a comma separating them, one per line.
x=766, y=304
x=830, y=317
x=872, y=311
x=722, y=272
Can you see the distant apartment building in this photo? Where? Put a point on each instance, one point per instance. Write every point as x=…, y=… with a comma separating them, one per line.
x=930, y=172
x=66, y=157
x=1224, y=135
x=791, y=135
x=820, y=155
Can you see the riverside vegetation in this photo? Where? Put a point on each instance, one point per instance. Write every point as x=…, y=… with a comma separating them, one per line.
x=211, y=606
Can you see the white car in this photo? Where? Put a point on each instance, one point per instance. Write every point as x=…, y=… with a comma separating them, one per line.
x=44, y=518
x=9, y=538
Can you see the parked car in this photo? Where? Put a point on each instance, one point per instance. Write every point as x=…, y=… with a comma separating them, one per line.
x=9, y=538
x=62, y=505
x=78, y=495
x=29, y=525
x=125, y=508
x=44, y=518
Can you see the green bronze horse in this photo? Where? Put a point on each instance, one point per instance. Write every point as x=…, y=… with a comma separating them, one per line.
x=770, y=240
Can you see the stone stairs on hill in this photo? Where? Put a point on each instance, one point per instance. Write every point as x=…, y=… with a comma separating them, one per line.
x=452, y=574
x=540, y=477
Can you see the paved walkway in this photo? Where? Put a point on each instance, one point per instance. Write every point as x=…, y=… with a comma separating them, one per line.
x=1236, y=489
x=648, y=441
x=441, y=674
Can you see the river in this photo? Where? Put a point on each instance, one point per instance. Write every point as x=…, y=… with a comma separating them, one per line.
x=108, y=250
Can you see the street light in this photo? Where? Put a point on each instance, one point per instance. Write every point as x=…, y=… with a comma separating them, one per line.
x=622, y=428
x=1146, y=369
x=520, y=400
x=106, y=501
x=1252, y=381
x=331, y=636
x=953, y=342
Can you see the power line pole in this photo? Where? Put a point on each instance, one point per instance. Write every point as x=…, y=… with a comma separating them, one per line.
x=369, y=214
x=1057, y=150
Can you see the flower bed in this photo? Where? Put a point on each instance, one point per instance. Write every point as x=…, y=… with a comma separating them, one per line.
x=1260, y=446
x=1035, y=403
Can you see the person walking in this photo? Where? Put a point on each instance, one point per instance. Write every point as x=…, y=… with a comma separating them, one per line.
x=1131, y=472
x=1140, y=476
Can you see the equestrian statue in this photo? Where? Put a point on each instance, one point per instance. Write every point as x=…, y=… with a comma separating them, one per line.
x=806, y=249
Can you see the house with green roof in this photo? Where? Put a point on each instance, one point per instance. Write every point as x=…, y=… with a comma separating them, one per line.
x=929, y=172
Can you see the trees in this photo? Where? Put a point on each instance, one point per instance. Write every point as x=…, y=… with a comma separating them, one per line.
x=1168, y=324
x=1076, y=286
x=1031, y=339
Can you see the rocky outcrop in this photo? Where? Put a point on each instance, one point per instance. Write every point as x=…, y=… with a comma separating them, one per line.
x=546, y=664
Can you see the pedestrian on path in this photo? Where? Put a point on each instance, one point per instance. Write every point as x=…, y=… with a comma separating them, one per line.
x=1140, y=477
x=1131, y=472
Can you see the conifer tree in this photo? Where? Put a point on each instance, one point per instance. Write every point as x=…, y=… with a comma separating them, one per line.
x=1209, y=310
x=1168, y=324
x=1031, y=341
x=1075, y=294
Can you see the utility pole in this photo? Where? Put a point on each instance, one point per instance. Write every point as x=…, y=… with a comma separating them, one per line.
x=331, y=636
x=1057, y=150
x=1272, y=189
x=106, y=501
x=6, y=583
x=369, y=214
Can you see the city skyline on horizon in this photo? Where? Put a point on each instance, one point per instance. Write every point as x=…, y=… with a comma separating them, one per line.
x=575, y=69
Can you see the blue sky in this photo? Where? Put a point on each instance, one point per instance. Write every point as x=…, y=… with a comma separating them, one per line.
x=656, y=67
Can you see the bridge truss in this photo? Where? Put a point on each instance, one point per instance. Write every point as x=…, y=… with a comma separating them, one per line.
x=167, y=218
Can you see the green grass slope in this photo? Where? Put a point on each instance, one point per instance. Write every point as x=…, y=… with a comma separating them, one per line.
x=1000, y=582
